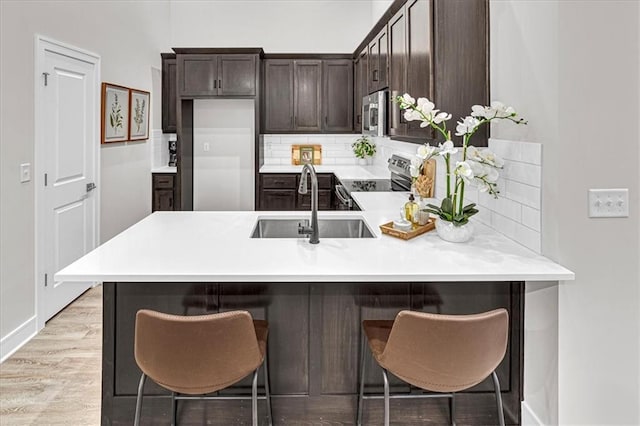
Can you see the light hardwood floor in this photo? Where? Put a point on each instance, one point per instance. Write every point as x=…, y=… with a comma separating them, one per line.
x=55, y=378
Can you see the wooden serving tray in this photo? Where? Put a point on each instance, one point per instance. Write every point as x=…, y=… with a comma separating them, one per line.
x=388, y=229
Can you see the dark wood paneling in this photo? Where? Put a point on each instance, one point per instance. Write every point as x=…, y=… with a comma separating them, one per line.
x=169, y=92
x=163, y=200
x=378, y=57
x=278, y=76
x=397, y=71
x=325, y=200
x=314, y=336
x=339, y=336
x=359, y=91
x=308, y=95
x=470, y=42
x=337, y=99
x=420, y=58
x=289, y=336
x=237, y=75
x=184, y=178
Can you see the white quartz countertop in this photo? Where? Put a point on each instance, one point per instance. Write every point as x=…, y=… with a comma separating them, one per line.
x=216, y=246
x=164, y=169
x=341, y=172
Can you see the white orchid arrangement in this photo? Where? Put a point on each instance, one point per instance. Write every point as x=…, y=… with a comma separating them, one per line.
x=477, y=166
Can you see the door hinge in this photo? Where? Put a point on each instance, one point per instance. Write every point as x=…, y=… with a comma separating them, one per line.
x=46, y=279
x=46, y=79
x=45, y=179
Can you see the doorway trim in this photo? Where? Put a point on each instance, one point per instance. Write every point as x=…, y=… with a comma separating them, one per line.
x=43, y=43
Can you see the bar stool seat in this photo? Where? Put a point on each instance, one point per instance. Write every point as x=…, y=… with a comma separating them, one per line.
x=196, y=355
x=437, y=353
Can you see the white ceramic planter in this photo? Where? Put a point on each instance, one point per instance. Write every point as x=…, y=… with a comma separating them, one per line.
x=454, y=234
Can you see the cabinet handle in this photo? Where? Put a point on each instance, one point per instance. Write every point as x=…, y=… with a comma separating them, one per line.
x=375, y=75
x=171, y=203
x=358, y=119
x=326, y=120
x=220, y=84
x=215, y=84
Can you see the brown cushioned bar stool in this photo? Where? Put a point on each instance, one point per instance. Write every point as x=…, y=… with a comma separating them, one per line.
x=197, y=355
x=437, y=353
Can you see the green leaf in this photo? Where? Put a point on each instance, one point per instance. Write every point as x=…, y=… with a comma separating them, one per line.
x=447, y=205
x=469, y=207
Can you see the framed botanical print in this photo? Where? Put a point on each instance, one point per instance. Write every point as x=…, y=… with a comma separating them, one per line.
x=115, y=113
x=139, y=115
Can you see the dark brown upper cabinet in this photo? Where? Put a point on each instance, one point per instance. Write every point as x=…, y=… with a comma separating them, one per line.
x=169, y=92
x=307, y=97
x=361, y=87
x=278, y=102
x=397, y=71
x=337, y=91
x=448, y=67
x=206, y=75
x=378, y=62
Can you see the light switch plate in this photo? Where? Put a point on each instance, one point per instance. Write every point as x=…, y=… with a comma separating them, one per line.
x=25, y=172
x=609, y=202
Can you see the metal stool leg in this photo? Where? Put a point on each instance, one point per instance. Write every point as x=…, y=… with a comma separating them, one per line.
x=266, y=389
x=254, y=398
x=496, y=385
x=386, y=397
x=452, y=409
x=361, y=394
x=136, y=421
x=174, y=409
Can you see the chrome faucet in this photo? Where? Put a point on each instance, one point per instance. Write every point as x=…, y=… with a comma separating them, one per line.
x=311, y=230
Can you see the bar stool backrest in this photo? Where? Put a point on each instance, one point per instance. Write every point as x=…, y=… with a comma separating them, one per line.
x=196, y=354
x=446, y=353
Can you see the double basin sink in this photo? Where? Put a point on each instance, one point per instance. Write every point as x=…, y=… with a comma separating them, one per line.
x=327, y=228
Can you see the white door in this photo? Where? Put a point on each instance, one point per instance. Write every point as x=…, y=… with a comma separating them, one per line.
x=68, y=142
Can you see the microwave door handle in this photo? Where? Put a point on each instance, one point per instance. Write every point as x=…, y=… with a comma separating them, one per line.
x=373, y=117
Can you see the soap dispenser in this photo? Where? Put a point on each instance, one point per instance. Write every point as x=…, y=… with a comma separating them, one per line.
x=411, y=209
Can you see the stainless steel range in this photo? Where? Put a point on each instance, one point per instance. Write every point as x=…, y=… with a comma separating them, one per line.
x=399, y=180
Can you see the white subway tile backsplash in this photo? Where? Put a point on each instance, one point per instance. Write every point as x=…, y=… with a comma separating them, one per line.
x=525, y=152
x=531, y=218
x=529, y=174
x=524, y=194
x=272, y=161
x=531, y=153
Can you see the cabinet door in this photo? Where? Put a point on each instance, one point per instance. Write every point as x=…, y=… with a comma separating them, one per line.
x=419, y=58
x=307, y=95
x=236, y=75
x=357, y=94
x=374, y=63
x=397, y=71
x=383, y=58
x=198, y=76
x=278, y=199
x=325, y=200
x=163, y=200
x=169, y=94
x=337, y=95
x=278, y=90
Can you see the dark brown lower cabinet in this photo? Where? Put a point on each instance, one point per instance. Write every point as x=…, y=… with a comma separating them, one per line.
x=279, y=191
x=163, y=192
x=314, y=352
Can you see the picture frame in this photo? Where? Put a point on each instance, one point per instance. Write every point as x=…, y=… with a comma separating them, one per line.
x=303, y=154
x=114, y=113
x=139, y=103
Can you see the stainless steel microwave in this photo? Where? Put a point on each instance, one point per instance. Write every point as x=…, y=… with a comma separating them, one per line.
x=374, y=114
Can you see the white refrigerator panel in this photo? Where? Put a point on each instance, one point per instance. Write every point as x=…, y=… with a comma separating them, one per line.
x=223, y=154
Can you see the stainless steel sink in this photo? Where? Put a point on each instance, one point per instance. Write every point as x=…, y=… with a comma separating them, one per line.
x=328, y=228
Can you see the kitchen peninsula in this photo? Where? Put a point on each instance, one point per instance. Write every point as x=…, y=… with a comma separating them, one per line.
x=314, y=297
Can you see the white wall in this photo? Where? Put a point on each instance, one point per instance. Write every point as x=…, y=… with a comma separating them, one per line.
x=223, y=154
x=129, y=38
x=378, y=8
x=565, y=65
x=278, y=26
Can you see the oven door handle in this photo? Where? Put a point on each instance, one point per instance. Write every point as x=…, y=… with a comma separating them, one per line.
x=342, y=196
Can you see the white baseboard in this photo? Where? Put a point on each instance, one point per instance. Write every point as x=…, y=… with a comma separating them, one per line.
x=529, y=418
x=18, y=337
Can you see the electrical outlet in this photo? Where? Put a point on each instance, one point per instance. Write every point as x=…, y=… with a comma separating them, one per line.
x=609, y=202
x=205, y=147
x=25, y=172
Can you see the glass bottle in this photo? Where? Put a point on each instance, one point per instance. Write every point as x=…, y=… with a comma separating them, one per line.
x=411, y=209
